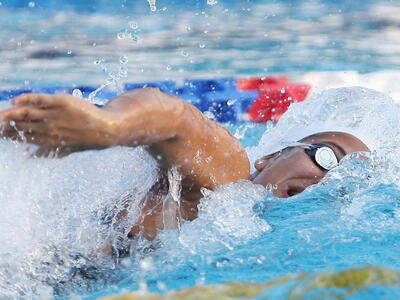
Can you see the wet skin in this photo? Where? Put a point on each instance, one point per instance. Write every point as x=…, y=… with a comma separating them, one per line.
x=289, y=172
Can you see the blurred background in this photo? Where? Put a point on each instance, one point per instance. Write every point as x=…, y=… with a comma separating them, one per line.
x=327, y=43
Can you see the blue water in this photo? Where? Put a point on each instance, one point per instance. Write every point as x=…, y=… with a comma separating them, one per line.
x=348, y=220
x=193, y=39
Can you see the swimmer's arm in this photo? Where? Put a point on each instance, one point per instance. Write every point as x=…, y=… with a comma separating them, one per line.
x=206, y=153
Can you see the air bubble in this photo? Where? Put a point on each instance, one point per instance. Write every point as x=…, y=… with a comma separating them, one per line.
x=69, y=52
x=202, y=46
x=184, y=53
x=77, y=93
x=123, y=60
x=212, y=2
x=188, y=28
x=12, y=123
x=31, y=4
x=168, y=68
x=231, y=102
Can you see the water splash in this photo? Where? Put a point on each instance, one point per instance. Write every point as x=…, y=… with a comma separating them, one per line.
x=152, y=4
x=77, y=93
x=60, y=214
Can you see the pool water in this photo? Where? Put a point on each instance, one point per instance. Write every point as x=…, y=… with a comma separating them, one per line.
x=53, y=211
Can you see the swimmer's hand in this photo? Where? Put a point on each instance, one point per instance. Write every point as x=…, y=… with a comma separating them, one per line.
x=58, y=121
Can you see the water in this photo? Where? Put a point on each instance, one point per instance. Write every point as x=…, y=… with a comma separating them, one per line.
x=56, y=44
x=56, y=215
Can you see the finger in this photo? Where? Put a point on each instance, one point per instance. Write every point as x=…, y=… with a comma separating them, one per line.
x=42, y=100
x=35, y=138
x=27, y=113
x=29, y=127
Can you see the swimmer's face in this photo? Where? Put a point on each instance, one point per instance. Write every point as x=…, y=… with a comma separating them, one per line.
x=290, y=171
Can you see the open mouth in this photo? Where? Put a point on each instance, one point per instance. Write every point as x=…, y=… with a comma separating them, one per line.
x=292, y=191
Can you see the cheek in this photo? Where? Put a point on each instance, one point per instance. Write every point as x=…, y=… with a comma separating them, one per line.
x=303, y=167
x=274, y=173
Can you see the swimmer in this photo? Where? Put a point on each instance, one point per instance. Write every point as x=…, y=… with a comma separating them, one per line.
x=176, y=134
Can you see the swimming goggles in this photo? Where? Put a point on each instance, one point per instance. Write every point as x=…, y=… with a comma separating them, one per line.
x=322, y=155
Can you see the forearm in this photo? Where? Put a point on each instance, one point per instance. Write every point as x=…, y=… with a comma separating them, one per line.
x=179, y=134
x=145, y=117
x=207, y=154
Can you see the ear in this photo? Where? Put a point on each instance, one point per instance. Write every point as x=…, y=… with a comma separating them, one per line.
x=262, y=162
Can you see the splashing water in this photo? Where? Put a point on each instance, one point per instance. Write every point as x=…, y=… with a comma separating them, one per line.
x=365, y=113
x=152, y=4
x=54, y=221
x=57, y=215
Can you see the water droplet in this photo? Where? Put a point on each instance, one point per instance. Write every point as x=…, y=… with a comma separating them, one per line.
x=202, y=46
x=231, y=102
x=152, y=4
x=188, y=28
x=98, y=61
x=120, y=35
x=12, y=123
x=31, y=4
x=184, y=54
x=212, y=2
x=77, y=93
x=123, y=60
x=271, y=188
x=168, y=68
x=283, y=90
x=123, y=73
x=69, y=52
x=209, y=115
x=135, y=37
x=133, y=25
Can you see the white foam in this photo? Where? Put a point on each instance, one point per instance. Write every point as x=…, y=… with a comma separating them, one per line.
x=52, y=209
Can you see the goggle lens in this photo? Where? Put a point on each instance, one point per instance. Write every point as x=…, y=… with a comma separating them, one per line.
x=323, y=156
